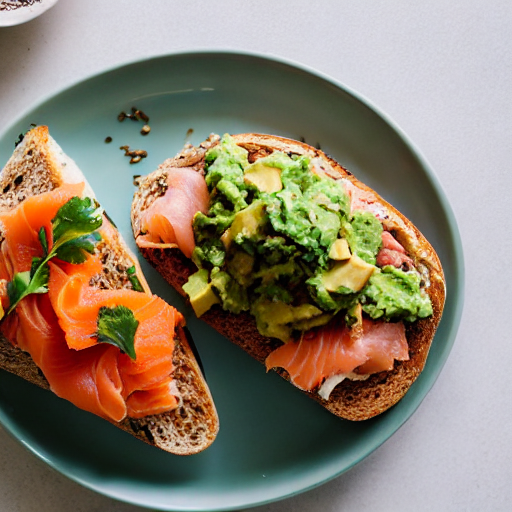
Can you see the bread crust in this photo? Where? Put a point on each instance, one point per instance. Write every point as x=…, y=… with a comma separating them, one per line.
x=39, y=165
x=352, y=400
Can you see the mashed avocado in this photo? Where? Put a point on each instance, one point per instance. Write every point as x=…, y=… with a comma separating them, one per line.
x=281, y=242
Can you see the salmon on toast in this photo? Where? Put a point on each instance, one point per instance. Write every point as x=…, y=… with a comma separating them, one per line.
x=300, y=264
x=78, y=315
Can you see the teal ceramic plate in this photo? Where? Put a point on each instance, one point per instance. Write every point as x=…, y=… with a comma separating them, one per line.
x=274, y=442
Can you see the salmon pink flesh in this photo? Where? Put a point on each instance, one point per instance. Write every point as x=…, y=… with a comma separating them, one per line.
x=59, y=328
x=169, y=218
x=335, y=349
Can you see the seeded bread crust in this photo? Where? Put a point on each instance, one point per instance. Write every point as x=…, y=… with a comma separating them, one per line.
x=352, y=400
x=39, y=165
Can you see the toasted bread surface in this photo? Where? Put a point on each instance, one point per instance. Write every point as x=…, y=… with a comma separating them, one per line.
x=352, y=400
x=39, y=165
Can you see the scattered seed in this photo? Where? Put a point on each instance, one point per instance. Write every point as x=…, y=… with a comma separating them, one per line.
x=136, y=115
x=141, y=116
x=108, y=140
x=136, y=155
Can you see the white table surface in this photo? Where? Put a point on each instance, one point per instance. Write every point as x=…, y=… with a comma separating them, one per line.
x=443, y=71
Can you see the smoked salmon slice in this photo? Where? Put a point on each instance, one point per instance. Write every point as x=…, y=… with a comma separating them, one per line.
x=89, y=378
x=386, y=341
x=21, y=243
x=59, y=328
x=335, y=349
x=392, y=252
x=319, y=353
x=169, y=218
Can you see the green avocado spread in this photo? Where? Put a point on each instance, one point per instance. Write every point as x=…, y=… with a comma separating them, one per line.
x=279, y=241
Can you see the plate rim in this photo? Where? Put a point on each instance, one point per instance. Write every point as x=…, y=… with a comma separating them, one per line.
x=430, y=174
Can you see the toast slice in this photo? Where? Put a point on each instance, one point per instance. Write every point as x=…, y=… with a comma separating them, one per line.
x=351, y=399
x=39, y=165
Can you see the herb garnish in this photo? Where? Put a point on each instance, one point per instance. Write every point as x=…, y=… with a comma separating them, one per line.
x=117, y=326
x=134, y=279
x=74, y=236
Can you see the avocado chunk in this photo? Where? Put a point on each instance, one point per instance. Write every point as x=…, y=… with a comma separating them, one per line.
x=352, y=274
x=200, y=292
x=240, y=267
x=339, y=250
x=233, y=296
x=316, y=321
x=249, y=222
x=278, y=319
x=263, y=177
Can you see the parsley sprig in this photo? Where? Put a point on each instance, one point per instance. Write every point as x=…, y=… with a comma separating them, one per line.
x=117, y=326
x=74, y=236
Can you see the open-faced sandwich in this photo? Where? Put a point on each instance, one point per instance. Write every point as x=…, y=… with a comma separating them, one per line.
x=288, y=255
x=78, y=315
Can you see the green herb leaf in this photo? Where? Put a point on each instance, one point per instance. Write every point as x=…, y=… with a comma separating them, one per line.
x=117, y=326
x=43, y=240
x=39, y=281
x=36, y=263
x=76, y=218
x=134, y=279
x=75, y=251
x=26, y=283
x=18, y=286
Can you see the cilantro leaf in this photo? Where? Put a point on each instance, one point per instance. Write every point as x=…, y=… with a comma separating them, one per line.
x=18, y=286
x=26, y=283
x=36, y=263
x=75, y=251
x=44, y=241
x=117, y=326
x=75, y=218
x=39, y=281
